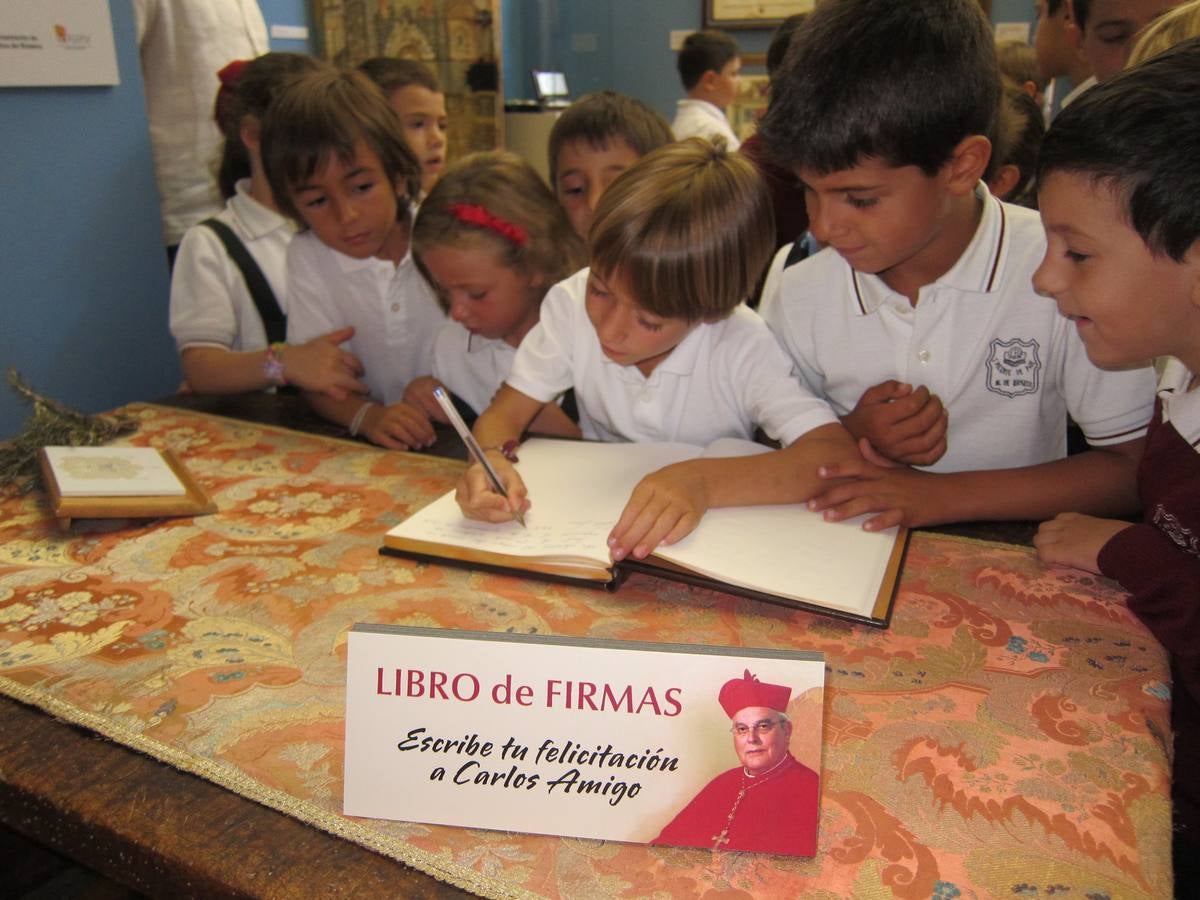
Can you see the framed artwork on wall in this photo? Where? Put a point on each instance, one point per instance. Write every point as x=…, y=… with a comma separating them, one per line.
x=726, y=14
x=730, y=14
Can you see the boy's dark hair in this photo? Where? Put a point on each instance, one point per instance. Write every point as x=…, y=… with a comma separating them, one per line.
x=598, y=118
x=1080, y=11
x=704, y=51
x=391, y=74
x=1020, y=128
x=687, y=230
x=901, y=82
x=325, y=114
x=1137, y=135
x=781, y=40
x=1053, y=6
x=257, y=84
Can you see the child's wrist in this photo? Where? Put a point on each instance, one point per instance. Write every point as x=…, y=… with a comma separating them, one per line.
x=360, y=417
x=508, y=449
x=273, y=367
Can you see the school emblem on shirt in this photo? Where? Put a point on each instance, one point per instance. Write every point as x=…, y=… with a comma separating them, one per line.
x=1175, y=530
x=1013, y=367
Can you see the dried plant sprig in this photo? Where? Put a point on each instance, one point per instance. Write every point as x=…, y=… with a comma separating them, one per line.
x=51, y=424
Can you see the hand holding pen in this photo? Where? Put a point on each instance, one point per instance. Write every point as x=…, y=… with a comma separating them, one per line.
x=477, y=453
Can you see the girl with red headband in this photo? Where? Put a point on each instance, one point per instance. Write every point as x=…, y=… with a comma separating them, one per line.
x=492, y=239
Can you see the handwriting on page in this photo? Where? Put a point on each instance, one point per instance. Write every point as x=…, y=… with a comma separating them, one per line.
x=578, y=537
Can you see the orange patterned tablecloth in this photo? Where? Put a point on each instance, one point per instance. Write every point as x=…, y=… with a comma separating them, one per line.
x=1005, y=737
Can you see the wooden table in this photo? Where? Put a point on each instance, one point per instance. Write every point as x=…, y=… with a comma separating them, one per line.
x=165, y=832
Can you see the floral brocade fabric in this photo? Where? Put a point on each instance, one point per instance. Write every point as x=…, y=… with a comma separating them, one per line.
x=1006, y=737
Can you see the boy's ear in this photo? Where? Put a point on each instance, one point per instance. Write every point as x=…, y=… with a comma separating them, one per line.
x=967, y=163
x=1192, y=260
x=1004, y=181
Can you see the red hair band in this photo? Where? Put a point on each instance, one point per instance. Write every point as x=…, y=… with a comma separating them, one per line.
x=474, y=214
x=229, y=77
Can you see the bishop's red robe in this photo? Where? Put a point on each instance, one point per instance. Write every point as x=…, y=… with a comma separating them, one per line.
x=775, y=812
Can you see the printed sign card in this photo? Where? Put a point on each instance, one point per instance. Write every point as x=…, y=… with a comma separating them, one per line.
x=692, y=746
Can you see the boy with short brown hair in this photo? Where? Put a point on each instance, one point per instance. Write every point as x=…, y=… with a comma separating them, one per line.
x=595, y=139
x=919, y=322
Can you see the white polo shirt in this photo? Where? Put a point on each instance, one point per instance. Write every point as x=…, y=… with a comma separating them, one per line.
x=392, y=308
x=210, y=302
x=1006, y=365
x=722, y=380
x=470, y=366
x=699, y=118
x=1181, y=407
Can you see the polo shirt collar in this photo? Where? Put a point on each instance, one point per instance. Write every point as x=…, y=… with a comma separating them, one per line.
x=680, y=361
x=1181, y=407
x=256, y=220
x=978, y=271
x=350, y=264
x=477, y=343
x=709, y=109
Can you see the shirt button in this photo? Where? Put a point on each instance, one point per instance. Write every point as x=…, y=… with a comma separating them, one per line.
x=646, y=396
x=923, y=356
x=395, y=307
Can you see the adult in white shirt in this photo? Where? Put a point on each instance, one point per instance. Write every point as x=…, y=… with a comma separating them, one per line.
x=183, y=43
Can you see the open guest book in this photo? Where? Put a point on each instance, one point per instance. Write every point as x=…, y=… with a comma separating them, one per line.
x=781, y=554
x=118, y=481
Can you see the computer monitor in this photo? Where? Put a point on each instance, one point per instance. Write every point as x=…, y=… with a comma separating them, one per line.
x=550, y=88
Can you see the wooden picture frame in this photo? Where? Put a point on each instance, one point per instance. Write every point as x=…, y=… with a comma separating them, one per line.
x=193, y=502
x=750, y=14
x=747, y=14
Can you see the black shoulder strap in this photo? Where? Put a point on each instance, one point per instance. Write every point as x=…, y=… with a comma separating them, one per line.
x=273, y=319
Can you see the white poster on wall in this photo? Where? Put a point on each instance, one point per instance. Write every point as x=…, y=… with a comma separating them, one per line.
x=56, y=43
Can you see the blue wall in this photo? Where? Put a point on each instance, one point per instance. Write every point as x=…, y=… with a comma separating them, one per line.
x=85, y=274
x=83, y=308
x=632, y=44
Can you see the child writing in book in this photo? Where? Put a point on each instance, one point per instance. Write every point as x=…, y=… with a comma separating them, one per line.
x=597, y=138
x=227, y=343
x=492, y=240
x=413, y=92
x=1119, y=186
x=919, y=322
x=338, y=164
x=659, y=347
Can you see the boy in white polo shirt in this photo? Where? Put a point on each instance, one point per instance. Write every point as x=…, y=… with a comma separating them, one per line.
x=658, y=347
x=338, y=164
x=919, y=322
x=709, y=66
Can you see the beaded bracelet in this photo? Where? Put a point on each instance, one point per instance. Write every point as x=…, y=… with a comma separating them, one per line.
x=273, y=364
x=508, y=449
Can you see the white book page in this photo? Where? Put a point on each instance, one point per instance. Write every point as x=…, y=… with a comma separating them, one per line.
x=113, y=472
x=790, y=552
x=577, y=490
x=786, y=550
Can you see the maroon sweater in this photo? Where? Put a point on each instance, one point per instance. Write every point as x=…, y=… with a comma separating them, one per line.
x=1158, y=562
